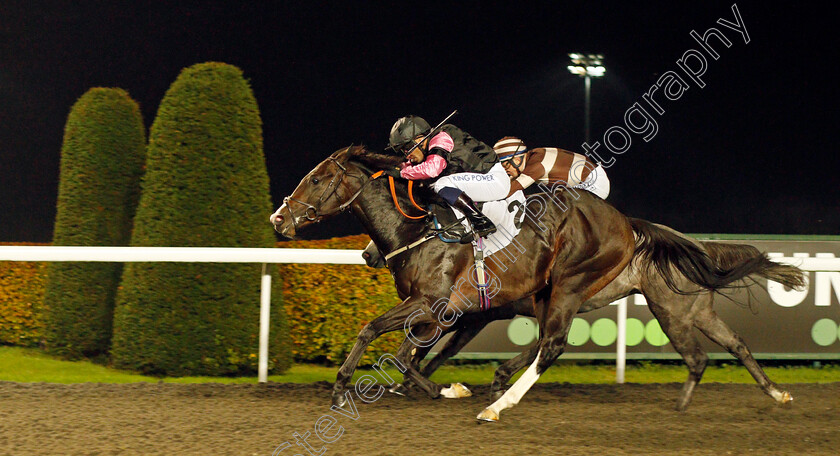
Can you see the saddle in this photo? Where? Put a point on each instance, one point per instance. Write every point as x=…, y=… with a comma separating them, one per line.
x=506, y=214
x=442, y=217
x=446, y=225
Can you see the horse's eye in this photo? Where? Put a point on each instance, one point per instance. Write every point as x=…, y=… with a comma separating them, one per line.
x=314, y=180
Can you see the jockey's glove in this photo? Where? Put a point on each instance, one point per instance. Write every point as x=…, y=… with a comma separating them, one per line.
x=393, y=172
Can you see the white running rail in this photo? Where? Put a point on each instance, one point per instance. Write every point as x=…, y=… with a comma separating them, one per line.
x=193, y=255
x=278, y=255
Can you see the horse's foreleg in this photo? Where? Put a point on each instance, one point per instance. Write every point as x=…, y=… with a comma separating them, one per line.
x=555, y=322
x=509, y=368
x=708, y=322
x=391, y=320
x=555, y=317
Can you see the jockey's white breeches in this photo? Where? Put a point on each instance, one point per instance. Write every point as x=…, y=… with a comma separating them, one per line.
x=597, y=182
x=492, y=186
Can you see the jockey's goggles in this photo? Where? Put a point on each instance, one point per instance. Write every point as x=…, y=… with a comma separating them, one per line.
x=408, y=147
x=511, y=156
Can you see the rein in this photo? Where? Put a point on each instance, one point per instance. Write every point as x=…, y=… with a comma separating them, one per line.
x=436, y=232
x=411, y=246
x=313, y=213
x=410, y=196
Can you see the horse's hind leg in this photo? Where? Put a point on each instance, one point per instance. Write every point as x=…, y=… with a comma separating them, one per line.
x=454, y=345
x=720, y=333
x=412, y=375
x=462, y=336
x=411, y=355
x=675, y=319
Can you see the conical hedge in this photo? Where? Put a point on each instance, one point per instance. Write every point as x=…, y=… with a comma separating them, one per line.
x=206, y=185
x=101, y=165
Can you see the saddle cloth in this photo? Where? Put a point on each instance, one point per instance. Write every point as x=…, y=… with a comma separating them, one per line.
x=506, y=214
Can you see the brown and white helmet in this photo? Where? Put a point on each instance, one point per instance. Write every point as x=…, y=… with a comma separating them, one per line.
x=509, y=147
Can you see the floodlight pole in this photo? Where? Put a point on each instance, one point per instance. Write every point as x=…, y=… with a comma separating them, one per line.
x=587, y=84
x=586, y=66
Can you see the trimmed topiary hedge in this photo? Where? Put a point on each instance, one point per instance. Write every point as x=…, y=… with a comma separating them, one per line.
x=328, y=304
x=22, y=301
x=206, y=185
x=101, y=164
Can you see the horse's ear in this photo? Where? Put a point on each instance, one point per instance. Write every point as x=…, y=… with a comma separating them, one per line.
x=344, y=153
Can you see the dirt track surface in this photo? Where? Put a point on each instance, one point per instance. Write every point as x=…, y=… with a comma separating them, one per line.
x=214, y=419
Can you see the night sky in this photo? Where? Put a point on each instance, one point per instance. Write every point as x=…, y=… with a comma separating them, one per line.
x=754, y=151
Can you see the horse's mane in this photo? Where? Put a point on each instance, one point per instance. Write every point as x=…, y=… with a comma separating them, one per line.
x=375, y=160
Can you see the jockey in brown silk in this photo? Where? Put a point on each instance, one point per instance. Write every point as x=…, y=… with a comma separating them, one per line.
x=549, y=165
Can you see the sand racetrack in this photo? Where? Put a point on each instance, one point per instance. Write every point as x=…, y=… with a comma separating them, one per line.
x=215, y=419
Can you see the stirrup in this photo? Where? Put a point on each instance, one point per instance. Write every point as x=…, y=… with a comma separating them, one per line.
x=486, y=228
x=472, y=235
x=467, y=238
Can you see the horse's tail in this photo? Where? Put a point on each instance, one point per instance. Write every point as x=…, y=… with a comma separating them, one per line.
x=732, y=255
x=666, y=250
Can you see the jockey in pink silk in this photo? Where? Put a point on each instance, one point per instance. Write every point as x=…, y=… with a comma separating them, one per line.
x=463, y=168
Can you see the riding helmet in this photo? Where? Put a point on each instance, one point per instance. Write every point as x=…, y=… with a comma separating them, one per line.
x=406, y=129
x=509, y=147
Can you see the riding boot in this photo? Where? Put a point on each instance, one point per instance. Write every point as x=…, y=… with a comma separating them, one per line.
x=482, y=226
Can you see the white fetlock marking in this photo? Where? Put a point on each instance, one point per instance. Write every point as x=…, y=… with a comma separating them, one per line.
x=455, y=391
x=515, y=393
x=782, y=397
x=395, y=390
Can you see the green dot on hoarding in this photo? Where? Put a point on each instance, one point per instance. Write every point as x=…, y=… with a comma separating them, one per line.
x=579, y=332
x=824, y=332
x=635, y=332
x=604, y=332
x=521, y=331
x=654, y=334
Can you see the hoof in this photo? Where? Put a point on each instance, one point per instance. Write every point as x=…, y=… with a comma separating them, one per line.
x=338, y=400
x=786, y=399
x=488, y=415
x=455, y=391
x=399, y=389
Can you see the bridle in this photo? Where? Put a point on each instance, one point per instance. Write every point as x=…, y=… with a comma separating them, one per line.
x=313, y=213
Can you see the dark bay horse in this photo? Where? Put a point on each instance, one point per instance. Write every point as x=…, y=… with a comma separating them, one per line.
x=578, y=246
x=677, y=313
